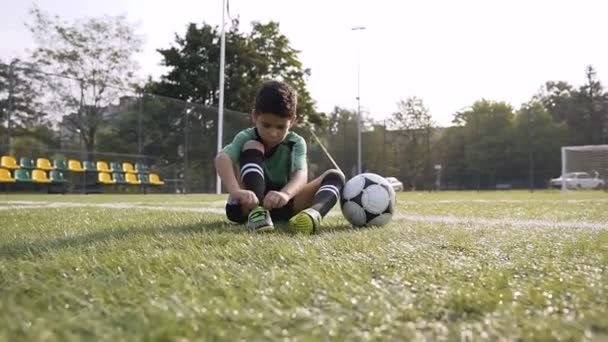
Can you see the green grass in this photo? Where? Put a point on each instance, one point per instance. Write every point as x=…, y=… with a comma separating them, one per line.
x=90, y=272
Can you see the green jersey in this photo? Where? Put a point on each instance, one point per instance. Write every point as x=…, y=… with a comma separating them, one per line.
x=280, y=162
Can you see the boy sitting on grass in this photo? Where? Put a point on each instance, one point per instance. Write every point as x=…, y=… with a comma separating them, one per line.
x=265, y=169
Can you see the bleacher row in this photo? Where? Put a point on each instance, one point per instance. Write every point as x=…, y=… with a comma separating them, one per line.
x=44, y=172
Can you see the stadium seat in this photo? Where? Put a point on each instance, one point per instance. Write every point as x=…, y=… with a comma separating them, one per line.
x=40, y=176
x=23, y=176
x=60, y=164
x=119, y=178
x=5, y=176
x=131, y=178
x=89, y=166
x=9, y=162
x=143, y=178
x=115, y=167
x=57, y=176
x=102, y=166
x=105, y=178
x=128, y=167
x=155, y=179
x=26, y=163
x=141, y=168
x=75, y=166
x=44, y=164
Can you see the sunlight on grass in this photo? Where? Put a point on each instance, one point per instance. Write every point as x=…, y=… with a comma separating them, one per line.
x=130, y=274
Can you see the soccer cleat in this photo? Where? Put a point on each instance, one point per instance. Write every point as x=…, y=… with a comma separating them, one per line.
x=259, y=220
x=305, y=222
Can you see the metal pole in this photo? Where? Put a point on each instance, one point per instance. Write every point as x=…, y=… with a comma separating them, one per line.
x=359, y=170
x=11, y=85
x=220, y=107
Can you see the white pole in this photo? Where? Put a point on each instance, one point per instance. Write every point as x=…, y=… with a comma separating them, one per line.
x=220, y=107
x=563, y=169
x=359, y=169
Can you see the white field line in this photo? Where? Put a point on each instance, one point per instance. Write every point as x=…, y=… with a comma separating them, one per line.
x=473, y=221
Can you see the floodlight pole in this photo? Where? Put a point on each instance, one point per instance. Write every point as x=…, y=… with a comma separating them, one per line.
x=359, y=170
x=220, y=107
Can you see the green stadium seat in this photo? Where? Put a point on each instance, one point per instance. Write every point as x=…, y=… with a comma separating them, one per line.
x=89, y=166
x=26, y=163
x=44, y=164
x=57, y=176
x=115, y=167
x=40, y=176
x=5, y=176
x=119, y=178
x=60, y=164
x=75, y=166
x=144, y=178
x=9, y=163
x=23, y=176
x=141, y=168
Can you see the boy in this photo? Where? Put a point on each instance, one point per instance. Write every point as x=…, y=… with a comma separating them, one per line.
x=265, y=169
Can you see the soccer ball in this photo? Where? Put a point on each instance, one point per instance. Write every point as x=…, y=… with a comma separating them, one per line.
x=368, y=200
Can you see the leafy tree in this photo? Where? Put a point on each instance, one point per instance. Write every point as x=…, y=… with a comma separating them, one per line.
x=86, y=64
x=488, y=141
x=19, y=96
x=415, y=123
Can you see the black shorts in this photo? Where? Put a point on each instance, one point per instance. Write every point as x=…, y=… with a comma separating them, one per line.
x=235, y=214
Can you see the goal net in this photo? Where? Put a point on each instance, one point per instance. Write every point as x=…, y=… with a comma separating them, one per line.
x=583, y=167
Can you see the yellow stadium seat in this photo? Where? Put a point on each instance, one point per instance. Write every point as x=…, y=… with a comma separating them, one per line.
x=155, y=179
x=9, y=162
x=40, y=176
x=131, y=178
x=102, y=166
x=105, y=178
x=44, y=164
x=128, y=168
x=5, y=176
x=75, y=165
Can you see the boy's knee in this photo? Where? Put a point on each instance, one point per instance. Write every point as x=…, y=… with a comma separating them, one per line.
x=253, y=145
x=334, y=174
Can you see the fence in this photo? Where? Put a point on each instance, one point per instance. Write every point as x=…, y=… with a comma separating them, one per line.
x=178, y=139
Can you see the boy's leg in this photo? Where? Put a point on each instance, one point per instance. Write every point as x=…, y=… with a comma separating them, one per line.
x=315, y=200
x=252, y=178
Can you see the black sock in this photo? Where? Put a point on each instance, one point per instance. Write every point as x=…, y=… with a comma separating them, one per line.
x=252, y=173
x=328, y=194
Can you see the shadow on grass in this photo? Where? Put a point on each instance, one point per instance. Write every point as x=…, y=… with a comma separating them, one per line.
x=36, y=249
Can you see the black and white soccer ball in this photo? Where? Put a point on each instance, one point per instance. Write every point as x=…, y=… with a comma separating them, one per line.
x=368, y=199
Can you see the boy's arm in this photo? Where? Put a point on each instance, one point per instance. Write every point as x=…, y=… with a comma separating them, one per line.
x=225, y=169
x=298, y=180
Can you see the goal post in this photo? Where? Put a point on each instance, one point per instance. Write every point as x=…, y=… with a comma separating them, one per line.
x=584, y=167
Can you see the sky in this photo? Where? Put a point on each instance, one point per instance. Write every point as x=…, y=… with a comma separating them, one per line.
x=448, y=53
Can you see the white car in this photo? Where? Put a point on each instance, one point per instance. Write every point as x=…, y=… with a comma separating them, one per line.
x=579, y=180
x=397, y=185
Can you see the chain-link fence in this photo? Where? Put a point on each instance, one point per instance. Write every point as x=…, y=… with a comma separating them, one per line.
x=45, y=115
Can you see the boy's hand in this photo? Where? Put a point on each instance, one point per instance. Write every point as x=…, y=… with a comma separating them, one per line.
x=245, y=197
x=275, y=199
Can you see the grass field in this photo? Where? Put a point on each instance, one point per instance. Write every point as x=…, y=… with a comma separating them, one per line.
x=454, y=265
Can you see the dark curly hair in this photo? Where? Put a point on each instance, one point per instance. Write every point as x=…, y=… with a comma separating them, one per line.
x=276, y=97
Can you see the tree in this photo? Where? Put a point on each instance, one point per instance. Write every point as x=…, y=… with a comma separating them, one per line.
x=488, y=141
x=18, y=98
x=86, y=64
x=264, y=53
x=415, y=122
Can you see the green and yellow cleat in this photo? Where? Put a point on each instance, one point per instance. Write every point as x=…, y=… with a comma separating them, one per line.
x=305, y=222
x=259, y=220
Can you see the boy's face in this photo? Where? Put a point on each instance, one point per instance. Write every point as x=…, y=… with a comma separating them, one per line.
x=272, y=128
